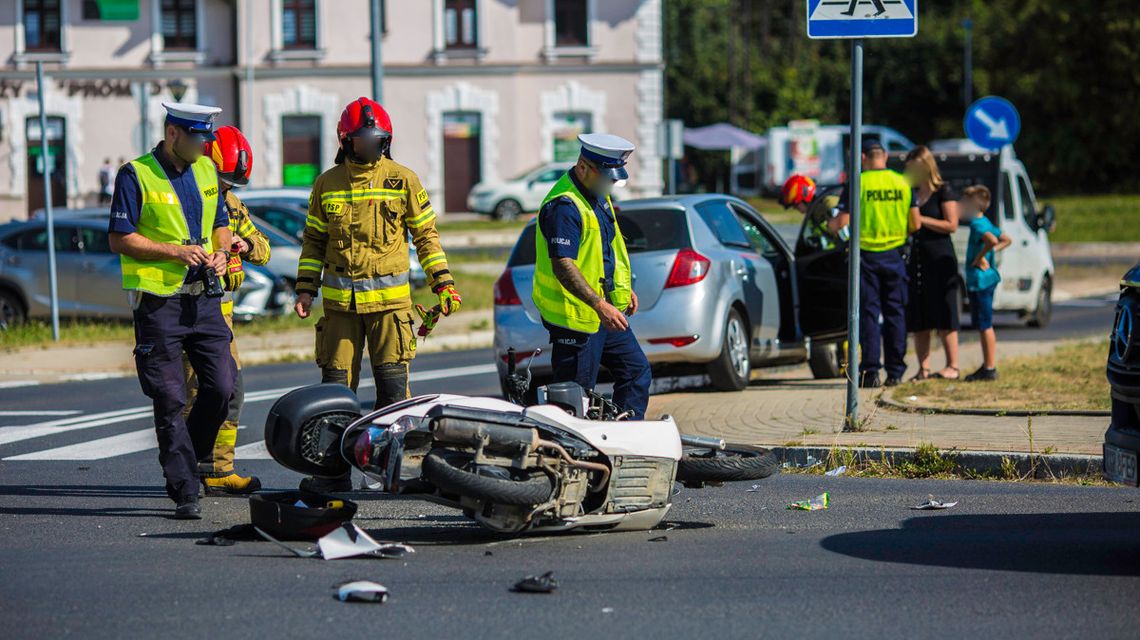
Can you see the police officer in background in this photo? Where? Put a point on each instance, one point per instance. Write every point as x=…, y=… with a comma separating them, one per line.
x=171, y=231
x=582, y=280
x=888, y=213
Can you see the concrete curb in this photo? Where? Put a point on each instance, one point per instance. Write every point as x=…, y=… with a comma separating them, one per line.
x=913, y=408
x=1057, y=464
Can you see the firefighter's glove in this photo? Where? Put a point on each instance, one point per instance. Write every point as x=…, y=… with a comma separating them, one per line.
x=449, y=300
x=235, y=273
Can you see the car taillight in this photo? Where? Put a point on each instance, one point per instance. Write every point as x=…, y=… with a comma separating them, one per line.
x=505, y=292
x=689, y=267
x=679, y=341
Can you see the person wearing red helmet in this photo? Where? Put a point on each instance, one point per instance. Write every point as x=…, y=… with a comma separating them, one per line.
x=825, y=225
x=233, y=157
x=355, y=254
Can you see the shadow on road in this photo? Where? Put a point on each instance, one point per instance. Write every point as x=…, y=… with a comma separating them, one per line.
x=1062, y=543
x=83, y=491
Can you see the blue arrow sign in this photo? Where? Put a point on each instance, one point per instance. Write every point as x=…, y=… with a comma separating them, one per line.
x=992, y=122
x=862, y=18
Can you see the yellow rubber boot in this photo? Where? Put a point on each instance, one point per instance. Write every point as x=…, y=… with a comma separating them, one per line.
x=232, y=485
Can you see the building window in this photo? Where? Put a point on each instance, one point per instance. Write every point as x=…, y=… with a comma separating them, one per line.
x=300, y=150
x=571, y=21
x=42, y=22
x=460, y=24
x=179, y=25
x=299, y=24
x=567, y=127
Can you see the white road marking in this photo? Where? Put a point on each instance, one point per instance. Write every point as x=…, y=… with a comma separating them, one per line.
x=135, y=441
x=252, y=451
x=16, y=384
x=120, y=445
x=12, y=414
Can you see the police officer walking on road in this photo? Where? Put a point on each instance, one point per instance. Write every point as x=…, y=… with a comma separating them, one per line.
x=888, y=215
x=582, y=280
x=171, y=231
x=355, y=253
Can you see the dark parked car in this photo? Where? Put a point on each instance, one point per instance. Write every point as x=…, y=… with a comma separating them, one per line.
x=1122, y=440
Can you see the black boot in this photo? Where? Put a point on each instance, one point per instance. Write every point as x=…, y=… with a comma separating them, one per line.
x=188, y=509
x=319, y=484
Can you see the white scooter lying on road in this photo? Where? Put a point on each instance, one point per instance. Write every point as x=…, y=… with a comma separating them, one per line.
x=570, y=462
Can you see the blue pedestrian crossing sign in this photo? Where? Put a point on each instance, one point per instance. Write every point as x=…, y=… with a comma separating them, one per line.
x=862, y=18
x=992, y=122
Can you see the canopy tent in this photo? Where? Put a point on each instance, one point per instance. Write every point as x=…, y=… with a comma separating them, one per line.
x=747, y=153
x=723, y=137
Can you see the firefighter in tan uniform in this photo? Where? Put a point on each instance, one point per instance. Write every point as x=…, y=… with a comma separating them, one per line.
x=355, y=254
x=233, y=157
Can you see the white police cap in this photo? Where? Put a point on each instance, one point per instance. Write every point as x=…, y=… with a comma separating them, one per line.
x=608, y=152
x=197, y=118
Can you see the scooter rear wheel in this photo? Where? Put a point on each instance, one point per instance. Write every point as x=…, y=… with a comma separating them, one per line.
x=528, y=491
x=734, y=462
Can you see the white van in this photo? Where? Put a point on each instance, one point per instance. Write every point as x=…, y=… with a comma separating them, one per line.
x=1026, y=266
x=834, y=147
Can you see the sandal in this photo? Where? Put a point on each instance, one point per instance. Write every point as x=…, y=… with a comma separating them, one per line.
x=957, y=374
x=923, y=374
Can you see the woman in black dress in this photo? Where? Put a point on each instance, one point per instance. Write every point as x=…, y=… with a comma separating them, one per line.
x=933, y=267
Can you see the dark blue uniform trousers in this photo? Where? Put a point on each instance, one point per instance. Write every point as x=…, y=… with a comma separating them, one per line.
x=164, y=328
x=882, y=290
x=577, y=357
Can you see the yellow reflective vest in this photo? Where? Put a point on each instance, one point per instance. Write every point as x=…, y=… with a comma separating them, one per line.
x=161, y=220
x=885, y=200
x=558, y=306
x=355, y=247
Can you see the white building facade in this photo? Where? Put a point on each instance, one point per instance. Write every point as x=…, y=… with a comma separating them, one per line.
x=477, y=89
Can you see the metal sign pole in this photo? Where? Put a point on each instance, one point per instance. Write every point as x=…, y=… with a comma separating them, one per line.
x=377, y=62
x=47, y=204
x=851, y=421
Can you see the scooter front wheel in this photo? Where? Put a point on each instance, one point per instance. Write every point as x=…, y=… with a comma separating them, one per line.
x=527, y=491
x=734, y=462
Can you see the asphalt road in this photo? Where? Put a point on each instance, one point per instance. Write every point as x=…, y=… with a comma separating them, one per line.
x=79, y=483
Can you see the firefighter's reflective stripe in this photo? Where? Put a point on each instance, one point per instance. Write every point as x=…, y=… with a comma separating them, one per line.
x=316, y=223
x=377, y=289
x=309, y=265
x=365, y=194
x=425, y=217
x=431, y=260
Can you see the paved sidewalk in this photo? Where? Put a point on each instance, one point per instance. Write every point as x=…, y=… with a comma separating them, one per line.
x=790, y=408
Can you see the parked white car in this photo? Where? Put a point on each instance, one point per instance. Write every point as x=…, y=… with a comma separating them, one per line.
x=523, y=193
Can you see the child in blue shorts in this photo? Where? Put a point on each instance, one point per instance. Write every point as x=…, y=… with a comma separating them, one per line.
x=982, y=276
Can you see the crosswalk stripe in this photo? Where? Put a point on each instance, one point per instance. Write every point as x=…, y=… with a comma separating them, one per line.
x=142, y=440
x=14, y=414
x=120, y=445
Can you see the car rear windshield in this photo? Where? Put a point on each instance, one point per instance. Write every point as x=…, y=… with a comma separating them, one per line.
x=644, y=230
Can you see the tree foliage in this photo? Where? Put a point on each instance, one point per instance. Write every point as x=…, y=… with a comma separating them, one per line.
x=1072, y=67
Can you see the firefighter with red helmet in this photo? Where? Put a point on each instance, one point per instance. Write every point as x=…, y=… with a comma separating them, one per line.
x=233, y=157
x=355, y=255
x=825, y=224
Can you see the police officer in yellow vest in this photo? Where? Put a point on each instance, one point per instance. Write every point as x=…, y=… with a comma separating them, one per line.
x=582, y=281
x=887, y=215
x=171, y=231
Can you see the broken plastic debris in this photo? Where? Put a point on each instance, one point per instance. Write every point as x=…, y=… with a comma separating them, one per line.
x=362, y=591
x=837, y=471
x=822, y=501
x=931, y=503
x=808, y=463
x=660, y=539
x=546, y=583
x=216, y=540
x=346, y=541
x=607, y=609
x=754, y=488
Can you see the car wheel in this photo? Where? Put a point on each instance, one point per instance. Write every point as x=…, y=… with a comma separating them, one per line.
x=1041, y=316
x=507, y=210
x=733, y=367
x=11, y=311
x=825, y=360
